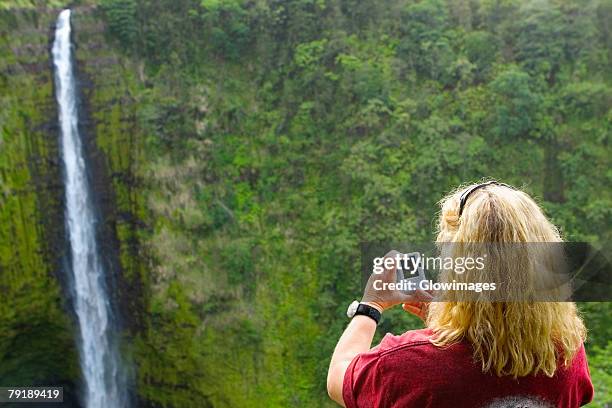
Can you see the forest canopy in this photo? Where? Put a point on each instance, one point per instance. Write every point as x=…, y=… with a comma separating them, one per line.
x=253, y=145
x=281, y=134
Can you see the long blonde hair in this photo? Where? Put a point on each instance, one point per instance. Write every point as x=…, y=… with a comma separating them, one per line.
x=508, y=338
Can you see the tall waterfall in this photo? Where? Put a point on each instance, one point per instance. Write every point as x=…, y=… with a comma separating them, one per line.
x=100, y=365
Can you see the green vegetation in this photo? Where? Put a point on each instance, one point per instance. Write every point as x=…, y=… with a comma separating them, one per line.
x=252, y=145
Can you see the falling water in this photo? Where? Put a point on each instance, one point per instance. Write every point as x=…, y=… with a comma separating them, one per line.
x=104, y=386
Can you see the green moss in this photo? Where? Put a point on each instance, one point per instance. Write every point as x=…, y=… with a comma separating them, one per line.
x=110, y=104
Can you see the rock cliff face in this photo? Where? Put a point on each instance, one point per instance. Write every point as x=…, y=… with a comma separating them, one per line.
x=113, y=146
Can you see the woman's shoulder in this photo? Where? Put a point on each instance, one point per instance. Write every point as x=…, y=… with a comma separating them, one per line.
x=577, y=367
x=410, y=338
x=416, y=346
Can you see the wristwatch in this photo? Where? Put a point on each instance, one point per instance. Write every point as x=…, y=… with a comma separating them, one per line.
x=357, y=308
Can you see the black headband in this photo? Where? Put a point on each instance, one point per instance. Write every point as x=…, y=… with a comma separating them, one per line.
x=466, y=194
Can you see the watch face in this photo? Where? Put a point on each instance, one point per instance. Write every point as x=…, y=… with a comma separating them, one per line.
x=352, y=309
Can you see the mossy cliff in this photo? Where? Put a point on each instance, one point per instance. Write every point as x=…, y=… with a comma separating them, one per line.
x=113, y=144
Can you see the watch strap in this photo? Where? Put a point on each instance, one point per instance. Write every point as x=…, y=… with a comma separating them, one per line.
x=367, y=310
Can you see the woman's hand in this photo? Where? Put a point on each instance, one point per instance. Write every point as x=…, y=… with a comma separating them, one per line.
x=420, y=307
x=378, y=294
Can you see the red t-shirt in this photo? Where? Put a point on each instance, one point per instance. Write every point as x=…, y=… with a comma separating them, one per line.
x=409, y=371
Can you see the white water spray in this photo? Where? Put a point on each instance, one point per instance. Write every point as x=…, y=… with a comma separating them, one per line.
x=104, y=384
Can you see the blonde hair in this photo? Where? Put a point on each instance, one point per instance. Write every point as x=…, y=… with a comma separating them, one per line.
x=517, y=338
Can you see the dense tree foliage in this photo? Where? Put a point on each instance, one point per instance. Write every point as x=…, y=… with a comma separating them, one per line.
x=291, y=131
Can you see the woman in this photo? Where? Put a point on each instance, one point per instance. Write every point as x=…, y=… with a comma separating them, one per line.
x=473, y=353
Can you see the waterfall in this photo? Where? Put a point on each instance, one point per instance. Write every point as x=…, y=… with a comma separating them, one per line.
x=99, y=357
